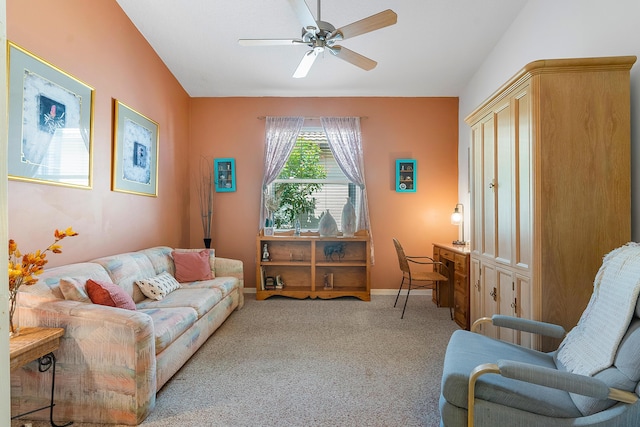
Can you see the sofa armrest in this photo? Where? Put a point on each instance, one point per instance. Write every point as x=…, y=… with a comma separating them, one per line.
x=521, y=324
x=227, y=267
x=109, y=351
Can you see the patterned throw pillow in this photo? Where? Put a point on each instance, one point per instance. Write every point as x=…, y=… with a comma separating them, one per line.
x=192, y=266
x=74, y=289
x=159, y=286
x=109, y=294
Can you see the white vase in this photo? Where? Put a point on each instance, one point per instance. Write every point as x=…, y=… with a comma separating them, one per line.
x=328, y=226
x=348, y=219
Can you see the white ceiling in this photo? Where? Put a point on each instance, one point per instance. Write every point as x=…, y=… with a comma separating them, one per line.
x=433, y=50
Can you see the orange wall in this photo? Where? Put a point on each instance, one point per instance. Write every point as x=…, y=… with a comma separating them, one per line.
x=422, y=128
x=97, y=43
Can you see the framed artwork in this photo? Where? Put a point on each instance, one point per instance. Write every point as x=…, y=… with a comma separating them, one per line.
x=406, y=175
x=135, y=152
x=225, y=170
x=50, y=125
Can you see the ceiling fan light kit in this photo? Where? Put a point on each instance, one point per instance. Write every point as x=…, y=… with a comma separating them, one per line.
x=320, y=36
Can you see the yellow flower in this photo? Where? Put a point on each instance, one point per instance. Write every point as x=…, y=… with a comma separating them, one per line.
x=23, y=269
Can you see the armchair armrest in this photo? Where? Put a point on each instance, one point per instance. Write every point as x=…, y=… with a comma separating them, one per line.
x=546, y=377
x=520, y=324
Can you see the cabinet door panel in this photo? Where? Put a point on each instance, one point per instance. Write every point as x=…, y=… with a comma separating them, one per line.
x=504, y=185
x=477, y=183
x=523, y=309
x=476, y=291
x=523, y=156
x=488, y=207
x=505, y=301
x=490, y=292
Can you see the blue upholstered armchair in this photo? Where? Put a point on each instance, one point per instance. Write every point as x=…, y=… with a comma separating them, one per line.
x=592, y=379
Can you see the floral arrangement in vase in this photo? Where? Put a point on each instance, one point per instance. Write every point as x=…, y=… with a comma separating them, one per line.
x=24, y=269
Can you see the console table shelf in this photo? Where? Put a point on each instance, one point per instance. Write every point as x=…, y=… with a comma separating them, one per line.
x=311, y=266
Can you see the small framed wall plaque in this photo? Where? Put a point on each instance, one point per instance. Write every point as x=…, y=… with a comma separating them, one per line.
x=406, y=175
x=225, y=170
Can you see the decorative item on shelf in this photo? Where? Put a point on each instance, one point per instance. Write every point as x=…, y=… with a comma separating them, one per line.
x=24, y=268
x=296, y=227
x=457, y=218
x=204, y=185
x=270, y=283
x=336, y=250
x=271, y=206
x=328, y=280
x=348, y=219
x=279, y=282
x=265, y=253
x=328, y=226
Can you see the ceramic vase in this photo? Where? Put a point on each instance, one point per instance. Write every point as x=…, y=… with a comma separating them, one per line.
x=348, y=219
x=328, y=226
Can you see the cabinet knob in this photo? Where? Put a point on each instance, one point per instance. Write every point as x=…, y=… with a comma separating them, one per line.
x=492, y=185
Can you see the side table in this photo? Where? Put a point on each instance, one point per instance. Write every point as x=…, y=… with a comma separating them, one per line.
x=37, y=343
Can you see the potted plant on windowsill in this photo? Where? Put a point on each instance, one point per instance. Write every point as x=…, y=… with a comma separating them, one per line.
x=204, y=185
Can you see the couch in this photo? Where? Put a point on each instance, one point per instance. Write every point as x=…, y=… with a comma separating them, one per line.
x=112, y=360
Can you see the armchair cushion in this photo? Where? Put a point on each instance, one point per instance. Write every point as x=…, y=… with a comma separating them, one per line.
x=480, y=349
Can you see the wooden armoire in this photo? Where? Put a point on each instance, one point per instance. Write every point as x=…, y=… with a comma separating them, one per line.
x=550, y=190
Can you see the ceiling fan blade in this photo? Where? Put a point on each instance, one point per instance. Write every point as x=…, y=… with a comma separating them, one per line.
x=372, y=23
x=305, y=65
x=353, y=58
x=304, y=15
x=269, y=42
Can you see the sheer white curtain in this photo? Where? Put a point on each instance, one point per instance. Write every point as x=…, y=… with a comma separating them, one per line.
x=280, y=138
x=345, y=141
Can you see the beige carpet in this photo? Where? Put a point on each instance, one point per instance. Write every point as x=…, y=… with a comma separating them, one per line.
x=285, y=362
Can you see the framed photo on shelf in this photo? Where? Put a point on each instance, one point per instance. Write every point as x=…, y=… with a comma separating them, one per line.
x=225, y=170
x=135, y=152
x=50, y=123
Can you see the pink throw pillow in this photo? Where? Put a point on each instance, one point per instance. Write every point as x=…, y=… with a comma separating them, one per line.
x=110, y=294
x=192, y=266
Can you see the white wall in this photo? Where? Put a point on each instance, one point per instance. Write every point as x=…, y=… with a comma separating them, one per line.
x=548, y=29
x=5, y=401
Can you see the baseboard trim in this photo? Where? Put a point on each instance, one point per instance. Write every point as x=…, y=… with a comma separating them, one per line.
x=374, y=292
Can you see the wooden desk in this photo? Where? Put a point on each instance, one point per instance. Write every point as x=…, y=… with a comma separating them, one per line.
x=37, y=344
x=455, y=292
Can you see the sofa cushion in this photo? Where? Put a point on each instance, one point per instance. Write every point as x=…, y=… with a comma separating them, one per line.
x=225, y=284
x=105, y=293
x=466, y=350
x=169, y=323
x=192, y=266
x=159, y=286
x=124, y=269
x=74, y=289
x=201, y=300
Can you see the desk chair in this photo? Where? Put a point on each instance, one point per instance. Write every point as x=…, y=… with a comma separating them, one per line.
x=426, y=277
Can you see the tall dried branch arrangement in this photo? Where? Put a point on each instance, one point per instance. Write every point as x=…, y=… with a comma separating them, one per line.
x=204, y=185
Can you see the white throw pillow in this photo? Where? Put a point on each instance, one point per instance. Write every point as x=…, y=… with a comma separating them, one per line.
x=159, y=286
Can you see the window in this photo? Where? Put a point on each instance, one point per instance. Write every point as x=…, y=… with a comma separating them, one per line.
x=311, y=183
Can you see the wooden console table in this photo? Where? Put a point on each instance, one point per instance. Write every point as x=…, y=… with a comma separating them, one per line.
x=37, y=343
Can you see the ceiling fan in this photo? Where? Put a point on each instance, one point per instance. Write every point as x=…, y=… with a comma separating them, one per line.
x=321, y=36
